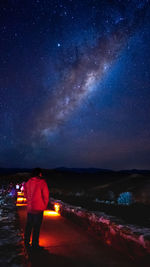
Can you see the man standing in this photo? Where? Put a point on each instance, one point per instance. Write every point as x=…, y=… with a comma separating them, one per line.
x=37, y=194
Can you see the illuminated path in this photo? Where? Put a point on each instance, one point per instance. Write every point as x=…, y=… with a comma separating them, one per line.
x=67, y=245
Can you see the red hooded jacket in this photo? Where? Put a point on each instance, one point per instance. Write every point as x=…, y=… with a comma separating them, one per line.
x=37, y=194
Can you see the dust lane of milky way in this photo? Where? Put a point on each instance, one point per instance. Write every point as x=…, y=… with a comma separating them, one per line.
x=84, y=75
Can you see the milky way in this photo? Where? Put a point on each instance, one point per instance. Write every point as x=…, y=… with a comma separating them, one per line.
x=74, y=83
x=84, y=75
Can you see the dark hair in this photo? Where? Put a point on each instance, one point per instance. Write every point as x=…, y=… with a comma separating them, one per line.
x=36, y=172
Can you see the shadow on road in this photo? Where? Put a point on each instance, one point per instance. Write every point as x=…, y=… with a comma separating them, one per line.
x=45, y=258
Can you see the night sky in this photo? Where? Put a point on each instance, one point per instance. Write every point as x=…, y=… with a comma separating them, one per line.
x=75, y=83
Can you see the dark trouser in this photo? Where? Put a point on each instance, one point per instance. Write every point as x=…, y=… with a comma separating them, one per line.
x=33, y=223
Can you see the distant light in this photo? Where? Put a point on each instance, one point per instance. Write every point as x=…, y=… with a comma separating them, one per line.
x=58, y=44
x=22, y=188
x=17, y=186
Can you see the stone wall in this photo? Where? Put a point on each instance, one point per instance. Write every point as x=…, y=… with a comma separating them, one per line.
x=129, y=239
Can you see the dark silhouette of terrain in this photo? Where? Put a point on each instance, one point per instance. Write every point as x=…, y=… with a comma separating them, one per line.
x=81, y=187
x=96, y=183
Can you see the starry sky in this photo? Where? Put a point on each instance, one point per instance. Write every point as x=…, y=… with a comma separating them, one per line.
x=75, y=83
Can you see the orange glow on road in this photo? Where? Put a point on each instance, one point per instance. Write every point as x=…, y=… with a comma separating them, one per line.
x=108, y=242
x=50, y=213
x=20, y=194
x=21, y=201
x=19, y=205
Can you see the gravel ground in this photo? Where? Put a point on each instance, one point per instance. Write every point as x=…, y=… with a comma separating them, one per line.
x=11, y=239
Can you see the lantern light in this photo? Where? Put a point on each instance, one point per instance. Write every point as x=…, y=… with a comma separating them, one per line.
x=57, y=207
x=21, y=199
x=51, y=213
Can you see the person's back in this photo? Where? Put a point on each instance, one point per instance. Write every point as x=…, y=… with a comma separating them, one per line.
x=37, y=194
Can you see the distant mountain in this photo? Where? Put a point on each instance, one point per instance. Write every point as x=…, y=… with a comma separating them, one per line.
x=135, y=171
x=74, y=170
x=97, y=170
x=13, y=170
x=83, y=170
